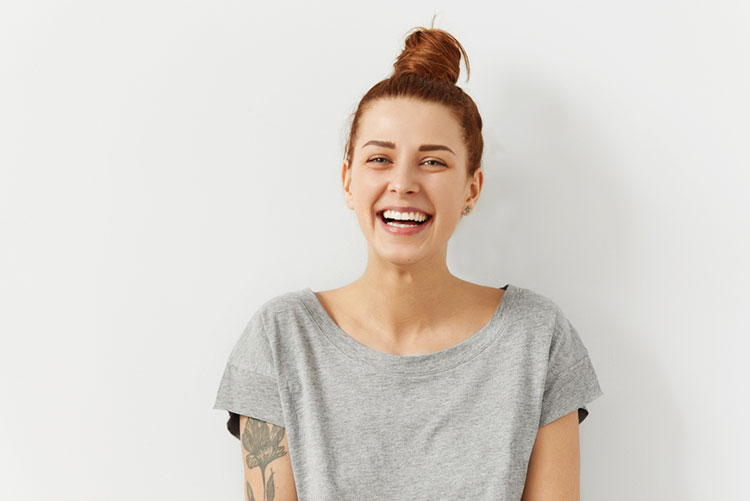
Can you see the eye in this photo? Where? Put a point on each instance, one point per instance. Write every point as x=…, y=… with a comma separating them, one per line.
x=437, y=162
x=376, y=160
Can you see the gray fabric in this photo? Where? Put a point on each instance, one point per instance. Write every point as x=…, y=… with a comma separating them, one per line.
x=363, y=424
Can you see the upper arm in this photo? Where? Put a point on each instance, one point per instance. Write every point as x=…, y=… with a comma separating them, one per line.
x=265, y=454
x=554, y=466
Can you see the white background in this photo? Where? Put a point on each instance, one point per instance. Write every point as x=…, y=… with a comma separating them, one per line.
x=167, y=166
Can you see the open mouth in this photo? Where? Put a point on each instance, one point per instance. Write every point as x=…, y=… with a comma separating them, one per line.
x=402, y=222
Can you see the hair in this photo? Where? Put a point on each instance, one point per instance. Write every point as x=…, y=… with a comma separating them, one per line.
x=428, y=69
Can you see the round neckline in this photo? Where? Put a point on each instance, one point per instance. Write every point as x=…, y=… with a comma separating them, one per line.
x=410, y=364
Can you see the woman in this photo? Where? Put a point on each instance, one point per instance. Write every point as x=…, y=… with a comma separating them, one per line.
x=410, y=383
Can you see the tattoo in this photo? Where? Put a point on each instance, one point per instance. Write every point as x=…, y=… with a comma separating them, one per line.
x=262, y=446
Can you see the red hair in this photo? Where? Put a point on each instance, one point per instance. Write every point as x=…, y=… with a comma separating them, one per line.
x=428, y=69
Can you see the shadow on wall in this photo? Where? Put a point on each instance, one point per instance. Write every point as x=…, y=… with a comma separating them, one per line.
x=553, y=212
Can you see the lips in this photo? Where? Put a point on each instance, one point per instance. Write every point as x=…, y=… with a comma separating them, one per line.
x=381, y=216
x=405, y=230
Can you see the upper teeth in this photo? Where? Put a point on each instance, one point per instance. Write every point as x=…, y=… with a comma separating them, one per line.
x=405, y=216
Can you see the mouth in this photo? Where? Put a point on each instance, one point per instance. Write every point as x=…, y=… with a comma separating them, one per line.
x=401, y=223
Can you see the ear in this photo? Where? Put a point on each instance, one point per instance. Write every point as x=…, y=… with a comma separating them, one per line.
x=346, y=181
x=474, y=187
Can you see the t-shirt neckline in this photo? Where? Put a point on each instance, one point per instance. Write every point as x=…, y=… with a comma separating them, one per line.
x=411, y=364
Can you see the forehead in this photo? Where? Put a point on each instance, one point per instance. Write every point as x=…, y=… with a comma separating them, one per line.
x=408, y=121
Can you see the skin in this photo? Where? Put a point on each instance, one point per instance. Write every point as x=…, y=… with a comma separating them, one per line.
x=268, y=468
x=555, y=462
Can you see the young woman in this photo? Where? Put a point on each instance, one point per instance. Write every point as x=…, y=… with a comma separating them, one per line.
x=410, y=383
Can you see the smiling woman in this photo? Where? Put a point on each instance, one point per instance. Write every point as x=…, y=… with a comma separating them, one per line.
x=409, y=382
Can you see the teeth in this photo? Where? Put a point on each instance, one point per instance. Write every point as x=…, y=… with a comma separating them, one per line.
x=405, y=216
x=399, y=225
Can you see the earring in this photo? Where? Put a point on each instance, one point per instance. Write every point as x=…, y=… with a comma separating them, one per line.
x=467, y=209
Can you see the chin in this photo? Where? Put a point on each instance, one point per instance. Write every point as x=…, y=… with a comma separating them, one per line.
x=397, y=258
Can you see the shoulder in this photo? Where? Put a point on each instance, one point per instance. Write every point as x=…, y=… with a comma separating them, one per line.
x=280, y=304
x=541, y=319
x=536, y=305
x=563, y=344
x=259, y=343
x=282, y=311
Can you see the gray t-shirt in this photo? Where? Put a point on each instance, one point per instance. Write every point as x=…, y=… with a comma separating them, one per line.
x=363, y=424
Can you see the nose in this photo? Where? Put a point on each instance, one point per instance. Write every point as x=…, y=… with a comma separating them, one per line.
x=403, y=179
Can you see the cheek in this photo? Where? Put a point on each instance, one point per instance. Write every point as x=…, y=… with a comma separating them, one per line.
x=365, y=190
x=446, y=197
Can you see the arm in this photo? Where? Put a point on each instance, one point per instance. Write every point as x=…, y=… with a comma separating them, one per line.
x=265, y=454
x=554, y=466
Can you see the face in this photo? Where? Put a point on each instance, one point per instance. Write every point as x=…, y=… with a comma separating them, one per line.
x=391, y=167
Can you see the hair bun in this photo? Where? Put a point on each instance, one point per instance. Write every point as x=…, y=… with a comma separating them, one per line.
x=431, y=53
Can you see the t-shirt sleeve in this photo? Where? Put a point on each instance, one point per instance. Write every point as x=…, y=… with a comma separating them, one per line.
x=249, y=385
x=571, y=381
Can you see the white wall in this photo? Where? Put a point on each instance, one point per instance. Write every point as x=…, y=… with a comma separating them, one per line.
x=168, y=165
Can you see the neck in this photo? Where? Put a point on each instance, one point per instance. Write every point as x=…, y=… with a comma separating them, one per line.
x=407, y=301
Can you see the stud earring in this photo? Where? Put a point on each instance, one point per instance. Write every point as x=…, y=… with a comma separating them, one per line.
x=467, y=209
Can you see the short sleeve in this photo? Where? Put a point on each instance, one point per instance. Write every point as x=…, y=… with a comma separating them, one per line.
x=249, y=386
x=571, y=381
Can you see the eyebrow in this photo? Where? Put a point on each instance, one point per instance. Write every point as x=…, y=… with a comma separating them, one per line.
x=424, y=147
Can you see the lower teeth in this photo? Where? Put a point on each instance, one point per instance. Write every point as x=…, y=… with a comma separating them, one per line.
x=400, y=225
